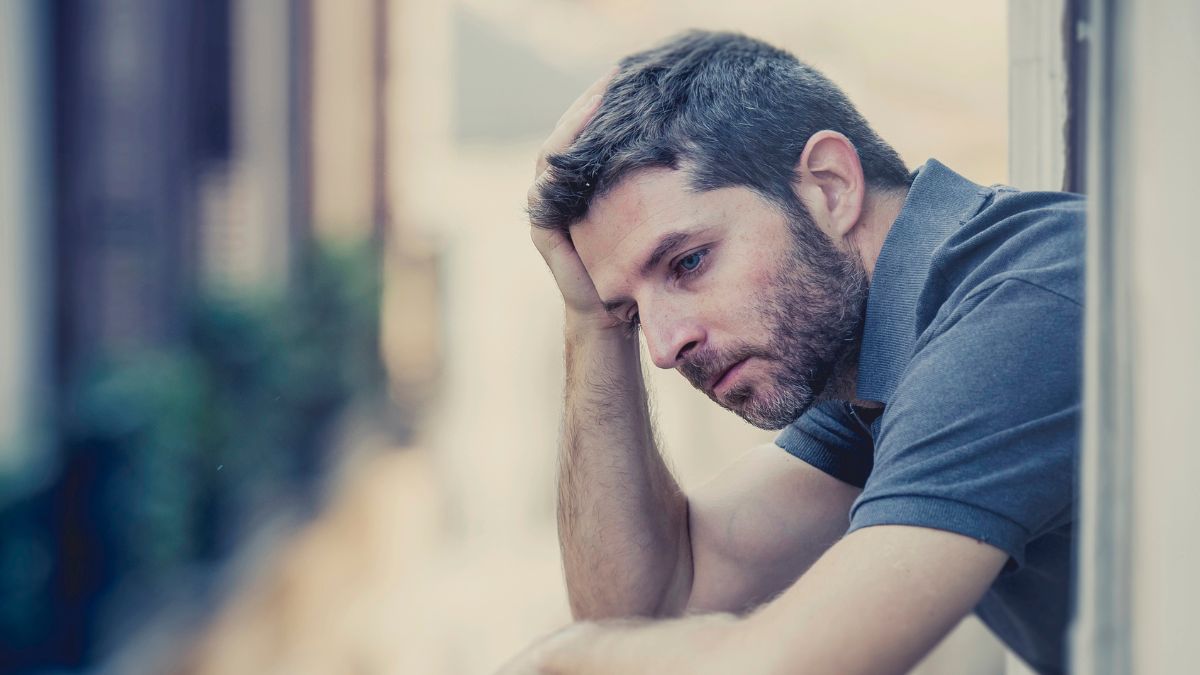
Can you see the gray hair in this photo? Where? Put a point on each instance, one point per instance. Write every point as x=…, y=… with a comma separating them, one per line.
x=731, y=110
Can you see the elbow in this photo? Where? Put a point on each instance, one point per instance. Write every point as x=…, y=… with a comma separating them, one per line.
x=659, y=587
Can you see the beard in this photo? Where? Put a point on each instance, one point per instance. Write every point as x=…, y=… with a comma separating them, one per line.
x=813, y=314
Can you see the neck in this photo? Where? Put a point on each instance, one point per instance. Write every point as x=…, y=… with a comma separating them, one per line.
x=866, y=239
x=843, y=387
x=842, y=384
x=879, y=213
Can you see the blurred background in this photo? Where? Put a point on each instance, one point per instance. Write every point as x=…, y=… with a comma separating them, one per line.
x=280, y=373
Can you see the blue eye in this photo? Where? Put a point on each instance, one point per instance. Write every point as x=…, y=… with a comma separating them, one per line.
x=691, y=261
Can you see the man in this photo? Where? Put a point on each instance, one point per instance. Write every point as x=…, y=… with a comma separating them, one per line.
x=916, y=336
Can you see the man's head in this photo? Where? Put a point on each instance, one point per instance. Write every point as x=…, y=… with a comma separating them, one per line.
x=713, y=196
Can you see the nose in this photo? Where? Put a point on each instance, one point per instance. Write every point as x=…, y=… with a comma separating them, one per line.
x=670, y=338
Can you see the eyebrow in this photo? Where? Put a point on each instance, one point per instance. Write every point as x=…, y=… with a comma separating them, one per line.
x=666, y=243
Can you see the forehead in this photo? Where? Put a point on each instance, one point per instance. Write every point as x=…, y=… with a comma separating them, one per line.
x=624, y=225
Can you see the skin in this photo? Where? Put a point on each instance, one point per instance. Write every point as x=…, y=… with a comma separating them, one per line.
x=727, y=299
x=663, y=581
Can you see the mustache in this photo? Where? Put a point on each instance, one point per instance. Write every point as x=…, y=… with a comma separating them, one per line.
x=704, y=364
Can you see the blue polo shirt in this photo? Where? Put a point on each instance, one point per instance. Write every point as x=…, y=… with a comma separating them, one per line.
x=973, y=342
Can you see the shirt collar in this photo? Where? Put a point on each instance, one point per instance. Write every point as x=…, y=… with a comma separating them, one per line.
x=938, y=201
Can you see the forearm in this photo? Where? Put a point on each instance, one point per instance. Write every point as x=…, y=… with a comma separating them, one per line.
x=622, y=517
x=874, y=604
x=710, y=643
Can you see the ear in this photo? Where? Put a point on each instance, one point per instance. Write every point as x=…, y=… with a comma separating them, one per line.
x=831, y=183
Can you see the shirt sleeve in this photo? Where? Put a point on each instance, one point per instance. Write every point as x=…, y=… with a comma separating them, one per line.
x=829, y=438
x=981, y=434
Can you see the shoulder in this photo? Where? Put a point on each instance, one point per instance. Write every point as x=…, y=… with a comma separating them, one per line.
x=1036, y=236
x=1031, y=243
x=1000, y=341
x=981, y=434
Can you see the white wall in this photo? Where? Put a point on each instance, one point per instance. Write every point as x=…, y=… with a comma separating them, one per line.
x=1156, y=106
x=1138, y=587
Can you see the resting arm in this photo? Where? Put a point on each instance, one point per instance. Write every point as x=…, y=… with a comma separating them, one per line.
x=758, y=526
x=876, y=602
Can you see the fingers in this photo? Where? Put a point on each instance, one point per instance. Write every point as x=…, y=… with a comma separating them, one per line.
x=566, y=131
x=549, y=241
x=569, y=125
x=593, y=89
x=574, y=120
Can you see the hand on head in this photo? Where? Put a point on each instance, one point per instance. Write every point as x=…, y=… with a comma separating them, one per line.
x=556, y=247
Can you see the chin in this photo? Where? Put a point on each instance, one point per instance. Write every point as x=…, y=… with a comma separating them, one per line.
x=767, y=423
x=772, y=412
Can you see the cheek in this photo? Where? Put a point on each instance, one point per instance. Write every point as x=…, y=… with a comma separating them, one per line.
x=762, y=278
x=735, y=296
x=756, y=279
x=759, y=258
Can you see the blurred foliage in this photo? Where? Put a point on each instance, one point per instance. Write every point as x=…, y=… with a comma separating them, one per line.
x=170, y=455
x=233, y=420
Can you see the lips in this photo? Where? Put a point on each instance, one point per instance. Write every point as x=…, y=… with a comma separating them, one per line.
x=723, y=375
